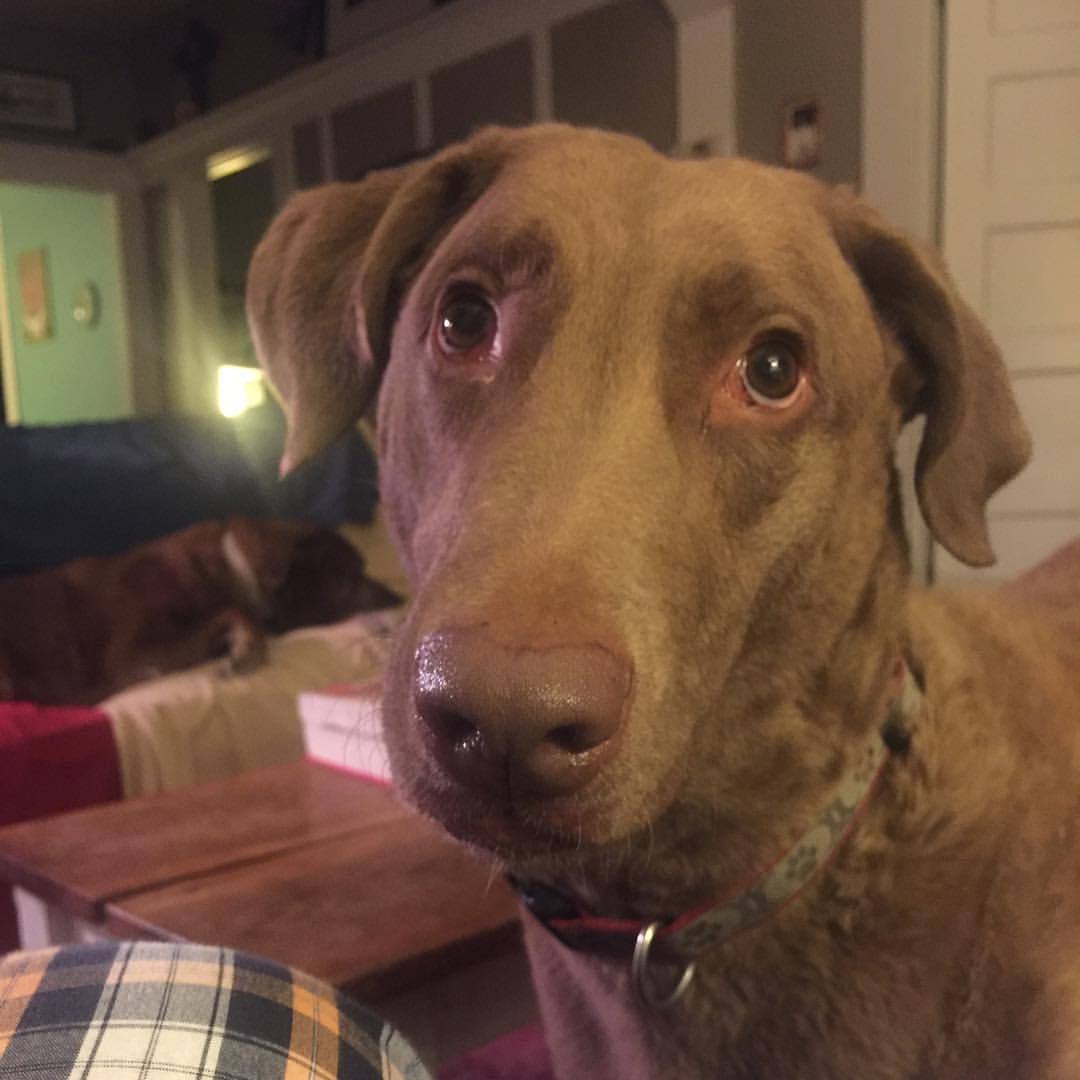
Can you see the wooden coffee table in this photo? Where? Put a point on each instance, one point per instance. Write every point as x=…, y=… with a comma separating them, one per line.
x=314, y=868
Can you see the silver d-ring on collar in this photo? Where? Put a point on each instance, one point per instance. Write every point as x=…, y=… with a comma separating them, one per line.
x=639, y=970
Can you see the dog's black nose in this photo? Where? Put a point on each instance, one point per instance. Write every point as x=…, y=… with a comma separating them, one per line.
x=519, y=720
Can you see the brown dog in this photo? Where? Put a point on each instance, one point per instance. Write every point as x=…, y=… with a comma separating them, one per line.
x=637, y=422
x=77, y=633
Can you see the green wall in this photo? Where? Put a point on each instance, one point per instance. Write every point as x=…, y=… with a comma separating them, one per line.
x=79, y=373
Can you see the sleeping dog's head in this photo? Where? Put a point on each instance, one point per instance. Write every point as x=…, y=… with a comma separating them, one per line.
x=636, y=427
x=298, y=574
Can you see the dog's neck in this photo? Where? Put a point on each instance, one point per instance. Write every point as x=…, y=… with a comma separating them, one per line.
x=814, y=991
x=680, y=940
x=776, y=989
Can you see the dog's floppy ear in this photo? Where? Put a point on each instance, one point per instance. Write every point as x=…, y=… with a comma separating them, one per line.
x=325, y=279
x=975, y=440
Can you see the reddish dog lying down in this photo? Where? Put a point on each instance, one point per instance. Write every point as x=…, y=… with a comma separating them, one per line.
x=74, y=634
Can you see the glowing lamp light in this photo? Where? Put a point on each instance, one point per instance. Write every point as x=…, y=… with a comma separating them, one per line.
x=239, y=388
x=218, y=166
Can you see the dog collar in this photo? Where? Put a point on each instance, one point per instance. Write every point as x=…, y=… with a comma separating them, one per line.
x=680, y=941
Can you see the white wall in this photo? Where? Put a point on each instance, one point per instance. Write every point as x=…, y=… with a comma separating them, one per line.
x=789, y=53
x=901, y=113
x=706, y=58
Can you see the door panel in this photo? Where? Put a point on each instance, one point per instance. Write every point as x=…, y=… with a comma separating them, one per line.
x=1023, y=152
x=1012, y=239
x=1012, y=15
x=1032, y=276
x=1030, y=296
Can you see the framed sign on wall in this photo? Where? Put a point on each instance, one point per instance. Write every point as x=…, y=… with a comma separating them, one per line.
x=37, y=101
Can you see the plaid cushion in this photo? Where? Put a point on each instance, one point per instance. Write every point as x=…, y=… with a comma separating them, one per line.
x=152, y=1010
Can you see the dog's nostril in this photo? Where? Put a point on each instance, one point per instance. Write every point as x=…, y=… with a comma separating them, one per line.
x=573, y=738
x=466, y=750
x=455, y=731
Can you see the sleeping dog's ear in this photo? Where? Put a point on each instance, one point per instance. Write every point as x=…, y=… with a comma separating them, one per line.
x=975, y=440
x=326, y=279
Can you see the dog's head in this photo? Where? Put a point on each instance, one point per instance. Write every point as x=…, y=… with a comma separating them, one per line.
x=636, y=428
x=299, y=574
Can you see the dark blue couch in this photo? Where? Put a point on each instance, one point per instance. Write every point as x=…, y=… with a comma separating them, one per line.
x=97, y=489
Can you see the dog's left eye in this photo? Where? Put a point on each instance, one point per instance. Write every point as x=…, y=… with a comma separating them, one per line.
x=771, y=373
x=467, y=324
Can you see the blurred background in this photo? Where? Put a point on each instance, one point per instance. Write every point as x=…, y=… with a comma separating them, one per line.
x=145, y=144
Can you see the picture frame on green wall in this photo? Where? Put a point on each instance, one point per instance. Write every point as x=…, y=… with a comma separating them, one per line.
x=32, y=273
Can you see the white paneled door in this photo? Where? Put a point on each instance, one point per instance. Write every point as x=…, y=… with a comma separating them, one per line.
x=1012, y=239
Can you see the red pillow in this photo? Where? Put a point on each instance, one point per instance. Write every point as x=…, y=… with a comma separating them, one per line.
x=51, y=760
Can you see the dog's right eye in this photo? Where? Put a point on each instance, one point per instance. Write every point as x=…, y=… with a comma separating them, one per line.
x=467, y=326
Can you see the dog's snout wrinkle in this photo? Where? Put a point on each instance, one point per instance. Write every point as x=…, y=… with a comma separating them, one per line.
x=537, y=721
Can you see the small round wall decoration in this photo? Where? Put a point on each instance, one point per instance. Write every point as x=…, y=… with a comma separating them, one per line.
x=86, y=304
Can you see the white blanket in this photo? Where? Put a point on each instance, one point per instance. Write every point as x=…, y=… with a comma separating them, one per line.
x=205, y=724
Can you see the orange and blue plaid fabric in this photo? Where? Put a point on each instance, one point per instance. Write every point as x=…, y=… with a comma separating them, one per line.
x=152, y=1010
